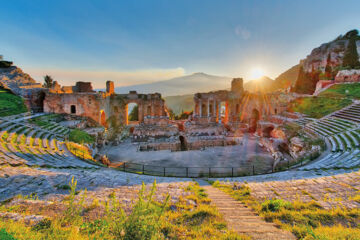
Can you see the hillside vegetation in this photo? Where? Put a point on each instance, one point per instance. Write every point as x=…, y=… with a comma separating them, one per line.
x=10, y=104
x=317, y=107
x=343, y=90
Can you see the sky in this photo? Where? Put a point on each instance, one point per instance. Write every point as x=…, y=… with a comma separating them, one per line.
x=140, y=41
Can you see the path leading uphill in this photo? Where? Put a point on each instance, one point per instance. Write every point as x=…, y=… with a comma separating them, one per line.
x=241, y=218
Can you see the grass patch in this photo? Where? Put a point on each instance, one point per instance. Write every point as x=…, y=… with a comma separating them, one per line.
x=317, y=107
x=149, y=219
x=79, y=136
x=10, y=104
x=343, y=90
x=306, y=220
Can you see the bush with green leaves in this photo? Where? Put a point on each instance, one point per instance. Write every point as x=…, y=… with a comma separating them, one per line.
x=275, y=205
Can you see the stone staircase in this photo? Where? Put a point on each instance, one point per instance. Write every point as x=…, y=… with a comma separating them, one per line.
x=243, y=219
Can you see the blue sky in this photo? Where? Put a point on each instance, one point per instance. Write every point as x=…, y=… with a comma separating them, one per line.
x=138, y=41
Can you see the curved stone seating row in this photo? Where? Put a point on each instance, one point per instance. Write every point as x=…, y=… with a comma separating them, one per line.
x=346, y=159
x=45, y=151
x=342, y=131
x=303, y=121
x=351, y=113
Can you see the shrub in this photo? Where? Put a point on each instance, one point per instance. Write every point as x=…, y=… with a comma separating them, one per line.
x=5, y=235
x=275, y=205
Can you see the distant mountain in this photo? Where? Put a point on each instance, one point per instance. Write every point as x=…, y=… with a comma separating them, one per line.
x=190, y=84
x=286, y=79
x=282, y=82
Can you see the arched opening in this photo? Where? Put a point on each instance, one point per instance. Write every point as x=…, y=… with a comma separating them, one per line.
x=275, y=110
x=203, y=110
x=211, y=112
x=132, y=113
x=73, y=109
x=148, y=112
x=223, y=112
x=39, y=102
x=103, y=118
x=183, y=145
x=255, y=116
x=267, y=131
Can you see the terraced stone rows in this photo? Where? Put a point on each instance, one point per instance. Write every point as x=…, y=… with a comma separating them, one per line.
x=351, y=113
x=44, y=150
x=344, y=138
x=325, y=190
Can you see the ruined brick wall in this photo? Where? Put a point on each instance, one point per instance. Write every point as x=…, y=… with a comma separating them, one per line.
x=81, y=104
x=230, y=107
x=101, y=106
x=348, y=76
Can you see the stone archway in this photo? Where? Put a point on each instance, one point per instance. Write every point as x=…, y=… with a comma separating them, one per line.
x=132, y=113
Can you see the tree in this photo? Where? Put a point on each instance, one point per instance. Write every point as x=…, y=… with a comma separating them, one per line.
x=351, y=57
x=306, y=82
x=328, y=69
x=48, y=81
x=134, y=114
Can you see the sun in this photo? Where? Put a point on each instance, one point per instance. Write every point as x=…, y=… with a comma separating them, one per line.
x=256, y=73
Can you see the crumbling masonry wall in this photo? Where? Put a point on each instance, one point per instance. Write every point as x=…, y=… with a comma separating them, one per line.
x=100, y=106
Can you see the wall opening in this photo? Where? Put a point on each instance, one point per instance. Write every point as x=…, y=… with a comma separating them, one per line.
x=183, y=145
x=103, y=118
x=203, y=110
x=275, y=110
x=223, y=112
x=267, y=131
x=73, y=109
x=211, y=110
x=255, y=116
x=148, y=112
x=132, y=113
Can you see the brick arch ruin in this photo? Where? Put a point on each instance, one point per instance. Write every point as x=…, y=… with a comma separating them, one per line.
x=239, y=106
x=100, y=106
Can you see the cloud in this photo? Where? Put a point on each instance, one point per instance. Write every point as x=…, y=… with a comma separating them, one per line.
x=68, y=77
x=242, y=32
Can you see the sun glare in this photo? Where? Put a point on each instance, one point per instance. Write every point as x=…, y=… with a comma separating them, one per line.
x=256, y=73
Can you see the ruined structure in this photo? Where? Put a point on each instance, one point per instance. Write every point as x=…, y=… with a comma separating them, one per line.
x=348, y=76
x=236, y=106
x=104, y=107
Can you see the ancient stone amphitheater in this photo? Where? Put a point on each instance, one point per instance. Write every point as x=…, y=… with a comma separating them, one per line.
x=37, y=160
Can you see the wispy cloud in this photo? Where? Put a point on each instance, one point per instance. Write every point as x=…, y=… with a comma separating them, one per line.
x=242, y=32
x=98, y=78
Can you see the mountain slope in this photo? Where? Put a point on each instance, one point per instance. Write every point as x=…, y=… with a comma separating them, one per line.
x=190, y=84
x=263, y=84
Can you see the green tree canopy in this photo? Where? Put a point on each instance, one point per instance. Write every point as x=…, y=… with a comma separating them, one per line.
x=48, y=81
x=351, y=57
x=134, y=114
